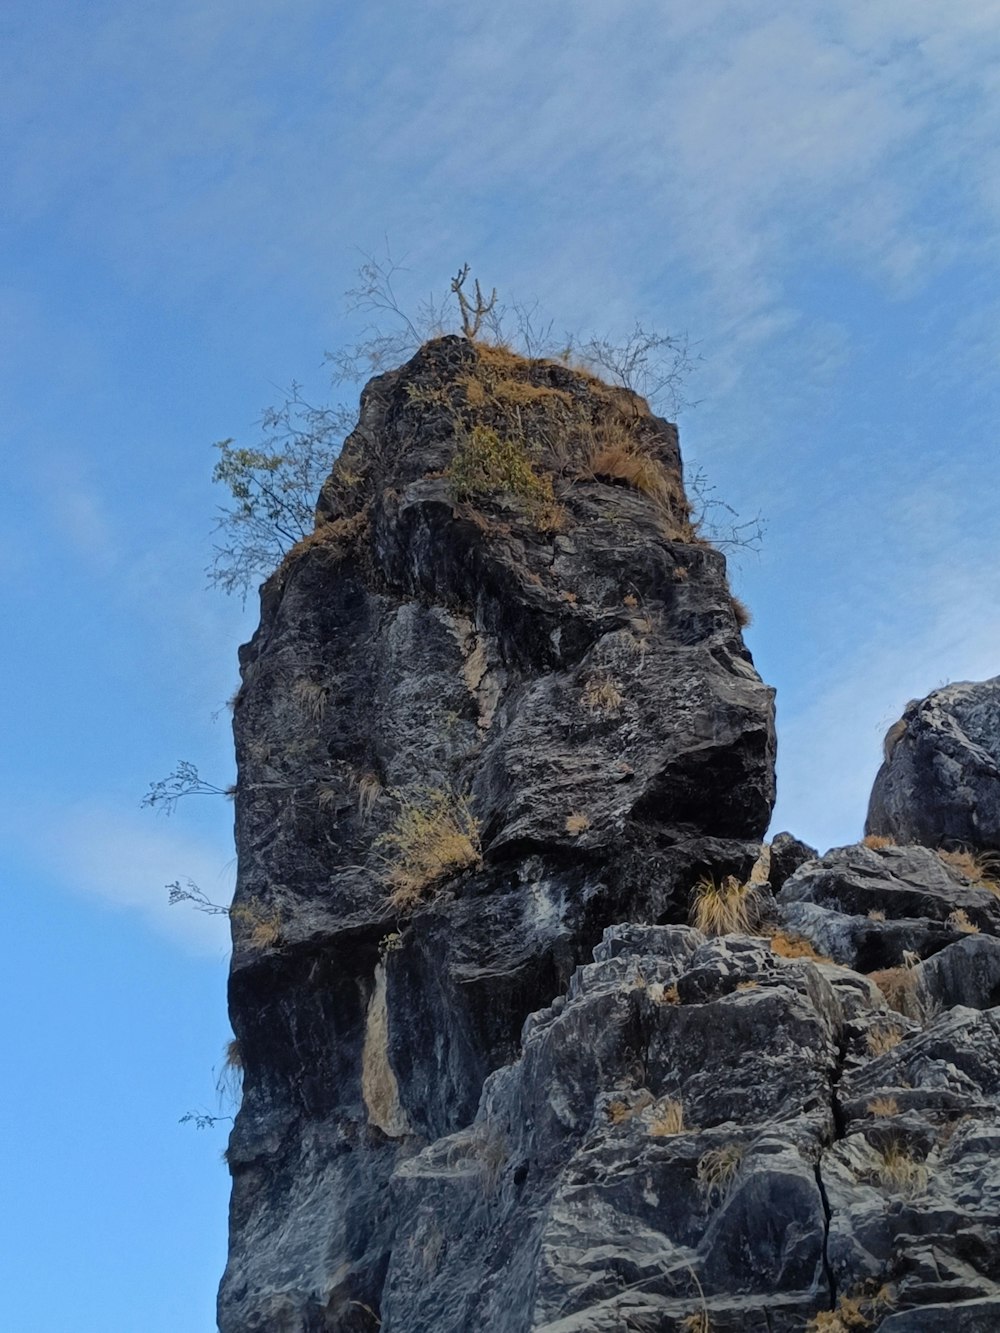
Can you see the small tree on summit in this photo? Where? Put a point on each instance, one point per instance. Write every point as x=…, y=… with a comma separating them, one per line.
x=273, y=488
x=472, y=315
x=273, y=485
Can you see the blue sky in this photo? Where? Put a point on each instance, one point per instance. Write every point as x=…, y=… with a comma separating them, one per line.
x=810, y=192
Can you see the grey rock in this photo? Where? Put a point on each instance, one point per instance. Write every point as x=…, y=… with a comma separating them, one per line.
x=978, y=1316
x=578, y=688
x=787, y=854
x=966, y=973
x=871, y=907
x=516, y=1091
x=940, y=782
x=598, y=1205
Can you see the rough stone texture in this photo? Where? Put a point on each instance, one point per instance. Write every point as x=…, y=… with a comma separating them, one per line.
x=787, y=854
x=589, y=1212
x=940, y=782
x=575, y=681
x=525, y=1095
x=873, y=907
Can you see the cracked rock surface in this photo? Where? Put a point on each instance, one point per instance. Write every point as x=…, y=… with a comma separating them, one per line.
x=498, y=701
x=496, y=724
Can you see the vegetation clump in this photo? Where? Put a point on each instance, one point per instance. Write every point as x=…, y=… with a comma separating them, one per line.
x=724, y=907
x=260, y=926
x=434, y=836
x=896, y=1170
x=488, y=465
x=982, y=869
x=667, y=1119
x=718, y=1169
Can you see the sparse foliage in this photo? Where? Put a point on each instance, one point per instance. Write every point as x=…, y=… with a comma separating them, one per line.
x=273, y=488
x=273, y=485
x=652, y=364
x=435, y=835
x=191, y=893
x=185, y=780
x=473, y=312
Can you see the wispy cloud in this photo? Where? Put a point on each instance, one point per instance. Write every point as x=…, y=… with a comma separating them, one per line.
x=125, y=860
x=736, y=138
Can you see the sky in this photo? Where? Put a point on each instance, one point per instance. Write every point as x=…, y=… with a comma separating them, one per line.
x=809, y=192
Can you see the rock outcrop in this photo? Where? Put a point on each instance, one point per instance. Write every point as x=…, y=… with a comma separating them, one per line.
x=497, y=702
x=940, y=782
x=500, y=744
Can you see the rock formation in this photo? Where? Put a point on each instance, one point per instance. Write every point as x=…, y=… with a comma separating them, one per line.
x=940, y=782
x=499, y=744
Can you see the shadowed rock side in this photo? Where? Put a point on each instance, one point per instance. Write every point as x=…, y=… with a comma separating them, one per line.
x=497, y=702
x=704, y=1136
x=940, y=782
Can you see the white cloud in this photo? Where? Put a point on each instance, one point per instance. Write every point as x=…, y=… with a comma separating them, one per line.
x=125, y=860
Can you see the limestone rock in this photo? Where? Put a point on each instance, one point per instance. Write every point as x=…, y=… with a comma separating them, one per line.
x=496, y=724
x=872, y=907
x=496, y=702
x=940, y=782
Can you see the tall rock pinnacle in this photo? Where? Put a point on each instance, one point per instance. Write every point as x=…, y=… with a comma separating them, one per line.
x=497, y=702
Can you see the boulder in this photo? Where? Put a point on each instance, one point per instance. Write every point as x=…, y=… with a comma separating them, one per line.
x=940, y=782
x=879, y=907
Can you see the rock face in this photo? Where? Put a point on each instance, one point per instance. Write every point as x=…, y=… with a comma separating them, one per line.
x=940, y=782
x=497, y=733
x=496, y=703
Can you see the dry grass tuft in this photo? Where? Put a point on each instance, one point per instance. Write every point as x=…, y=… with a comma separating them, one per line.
x=311, y=698
x=698, y=1322
x=261, y=928
x=883, y=1106
x=724, y=908
x=667, y=1119
x=786, y=944
x=369, y=791
x=619, y=1111
x=882, y=1039
x=577, y=823
x=852, y=1313
x=434, y=836
x=327, y=797
x=876, y=914
x=899, y=985
x=897, y=1170
x=718, y=1169
x=981, y=868
x=661, y=994
x=601, y=694
x=960, y=920
x=876, y=841
x=743, y=614
x=234, y=1056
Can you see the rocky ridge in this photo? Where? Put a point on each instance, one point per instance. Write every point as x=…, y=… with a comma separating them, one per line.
x=498, y=735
